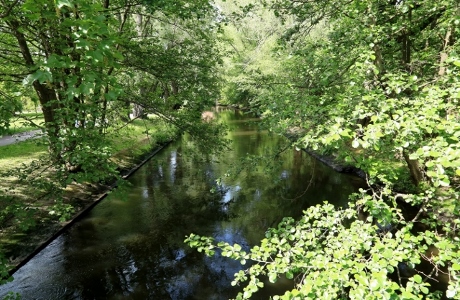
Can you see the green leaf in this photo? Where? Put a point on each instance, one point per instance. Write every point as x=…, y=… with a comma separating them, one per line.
x=237, y=247
x=408, y=295
x=62, y=3
x=424, y=290
x=374, y=284
x=417, y=278
x=272, y=277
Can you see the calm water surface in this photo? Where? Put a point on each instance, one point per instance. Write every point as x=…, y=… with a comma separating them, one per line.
x=131, y=247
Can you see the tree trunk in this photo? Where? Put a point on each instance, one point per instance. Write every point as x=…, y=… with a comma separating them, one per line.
x=138, y=110
x=47, y=96
x=406, y=43
x=443, y=56
x=416, y=171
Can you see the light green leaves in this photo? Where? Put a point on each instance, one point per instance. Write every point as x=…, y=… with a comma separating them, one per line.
x=417, y=278
x=40, y=75
x=62, y=3
x=333, y=257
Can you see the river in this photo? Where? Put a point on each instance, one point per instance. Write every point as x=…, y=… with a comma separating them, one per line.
x=130, y=246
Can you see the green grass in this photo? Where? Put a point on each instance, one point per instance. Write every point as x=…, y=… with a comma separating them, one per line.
x=20, y=153
x=123, y=138
x=22, y=123
x=153, y=130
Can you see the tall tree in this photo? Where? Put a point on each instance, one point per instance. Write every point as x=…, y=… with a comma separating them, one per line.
x=72, y=54
x=247, y=41
x=89, y=62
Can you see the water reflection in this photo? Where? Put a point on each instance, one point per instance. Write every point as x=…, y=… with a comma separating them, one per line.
x=133, y=249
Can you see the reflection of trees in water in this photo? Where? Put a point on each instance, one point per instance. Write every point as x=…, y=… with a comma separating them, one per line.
x=134, y=248
x=144, y=265
x=149, y=265
x=289, y=183
x=160, y=271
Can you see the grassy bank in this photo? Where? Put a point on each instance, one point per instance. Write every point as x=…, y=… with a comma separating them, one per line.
x=24, y=122
x=29, y=215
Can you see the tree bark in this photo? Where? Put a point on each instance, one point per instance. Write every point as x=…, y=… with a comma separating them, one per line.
x=47, y=96
x=138, y=110
x=443, y=55
x=416, y=171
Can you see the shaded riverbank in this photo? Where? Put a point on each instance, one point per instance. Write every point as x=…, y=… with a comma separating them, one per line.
x=20, y=246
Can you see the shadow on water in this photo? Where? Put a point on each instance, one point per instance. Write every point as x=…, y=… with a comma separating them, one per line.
x=133, y=249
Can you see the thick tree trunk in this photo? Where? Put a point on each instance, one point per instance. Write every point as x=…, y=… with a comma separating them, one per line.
x=406, y=43
x=448, y=40
x=138, y=111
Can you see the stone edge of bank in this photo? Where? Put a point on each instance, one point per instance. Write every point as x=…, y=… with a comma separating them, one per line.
x=95, y=198
x=337, y=166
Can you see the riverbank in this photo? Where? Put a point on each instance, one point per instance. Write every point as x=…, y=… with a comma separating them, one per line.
x=329, y=160
x=19, y=243
x=336, y=165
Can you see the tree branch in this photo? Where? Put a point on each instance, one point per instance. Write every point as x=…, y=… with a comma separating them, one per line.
x=8, y=10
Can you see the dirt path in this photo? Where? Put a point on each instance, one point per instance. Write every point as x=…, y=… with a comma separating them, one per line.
x=11, y=139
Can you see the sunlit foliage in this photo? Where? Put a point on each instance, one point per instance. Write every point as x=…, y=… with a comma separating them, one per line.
x=375, y=84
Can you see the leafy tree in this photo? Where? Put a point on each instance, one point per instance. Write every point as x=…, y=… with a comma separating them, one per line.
x=74, y=51
x=89, y=64
x=247, y=42
x=374, y=83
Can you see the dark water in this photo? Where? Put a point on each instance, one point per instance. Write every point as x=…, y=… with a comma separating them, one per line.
x=131, y=247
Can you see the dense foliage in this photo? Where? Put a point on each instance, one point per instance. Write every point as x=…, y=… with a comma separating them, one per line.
x=374, y=83
x=246, y=45
x=92, y=67
x=88, y=62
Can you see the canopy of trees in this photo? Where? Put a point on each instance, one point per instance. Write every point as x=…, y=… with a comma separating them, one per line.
x=91, y=67
x=374, y=83
x=87, y=63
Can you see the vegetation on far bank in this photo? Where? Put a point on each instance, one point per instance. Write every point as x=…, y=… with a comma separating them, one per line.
x=21, y=123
